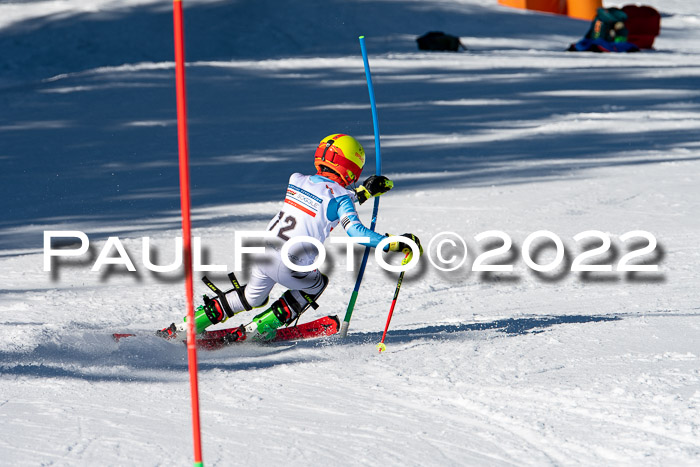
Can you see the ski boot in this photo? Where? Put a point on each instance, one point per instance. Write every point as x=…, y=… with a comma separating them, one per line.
x=204, y=316
x=282, y=312
x=168, y=333
x=214, y=311
x=264, y=326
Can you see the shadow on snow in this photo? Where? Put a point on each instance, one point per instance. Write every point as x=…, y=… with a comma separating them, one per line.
x=152, y=359
x=97, y=149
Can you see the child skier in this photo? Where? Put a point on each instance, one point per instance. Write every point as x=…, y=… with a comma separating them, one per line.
x=313, y=206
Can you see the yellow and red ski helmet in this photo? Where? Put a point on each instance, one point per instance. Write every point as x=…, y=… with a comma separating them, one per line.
x=343, y=155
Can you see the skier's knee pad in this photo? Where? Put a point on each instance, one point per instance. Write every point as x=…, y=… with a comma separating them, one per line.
x=234, y=303
x=317, y=289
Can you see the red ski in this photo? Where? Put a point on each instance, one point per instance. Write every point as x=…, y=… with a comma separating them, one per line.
x=326, y=326
x=213, y=340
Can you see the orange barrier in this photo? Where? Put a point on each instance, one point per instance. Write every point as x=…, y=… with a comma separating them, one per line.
x=549, y=6
x=583, y=9
x=580, y=9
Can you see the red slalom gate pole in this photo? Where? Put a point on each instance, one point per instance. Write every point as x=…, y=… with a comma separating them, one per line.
x=186, y=221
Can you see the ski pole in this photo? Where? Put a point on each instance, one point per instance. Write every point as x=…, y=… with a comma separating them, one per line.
x=381, y=347
x=375, y=211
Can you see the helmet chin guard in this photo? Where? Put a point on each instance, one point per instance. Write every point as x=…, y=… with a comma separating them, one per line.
x=343, y=155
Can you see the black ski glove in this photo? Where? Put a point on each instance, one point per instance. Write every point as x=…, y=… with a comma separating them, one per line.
x=375, y=185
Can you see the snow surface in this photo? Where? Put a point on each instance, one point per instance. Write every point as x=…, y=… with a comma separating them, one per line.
x=516, y=135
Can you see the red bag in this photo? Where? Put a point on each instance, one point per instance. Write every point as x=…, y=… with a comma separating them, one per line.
x=643, y=25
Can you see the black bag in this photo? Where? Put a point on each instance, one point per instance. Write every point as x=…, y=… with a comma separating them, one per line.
x=436, y=40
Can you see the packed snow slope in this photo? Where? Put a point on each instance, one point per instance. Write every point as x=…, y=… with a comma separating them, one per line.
x=520, y=367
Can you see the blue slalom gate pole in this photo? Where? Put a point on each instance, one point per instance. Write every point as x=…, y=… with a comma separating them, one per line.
x=375, y=211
